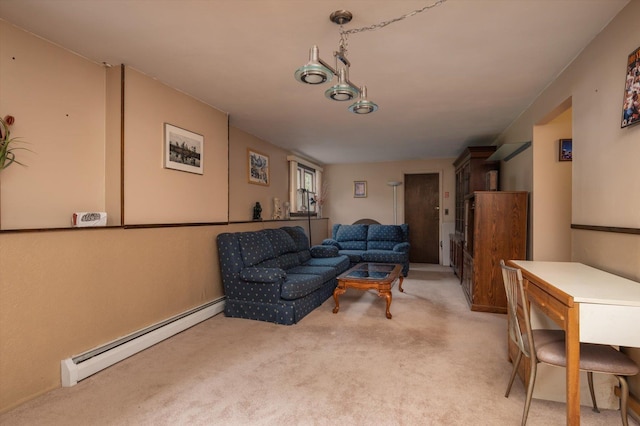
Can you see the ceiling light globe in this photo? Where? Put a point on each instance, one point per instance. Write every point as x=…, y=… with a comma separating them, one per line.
x=313, y=74
x=363, y=107
x=341, y=92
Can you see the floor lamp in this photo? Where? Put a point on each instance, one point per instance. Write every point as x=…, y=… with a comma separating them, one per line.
x=395, y=185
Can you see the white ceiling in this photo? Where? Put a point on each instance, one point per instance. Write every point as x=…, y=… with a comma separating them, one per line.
x=452, y=76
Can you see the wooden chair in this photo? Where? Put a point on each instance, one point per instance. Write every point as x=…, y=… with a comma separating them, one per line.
x=548, y=346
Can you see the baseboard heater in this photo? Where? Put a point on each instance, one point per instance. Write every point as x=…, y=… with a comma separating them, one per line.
x=81, y=366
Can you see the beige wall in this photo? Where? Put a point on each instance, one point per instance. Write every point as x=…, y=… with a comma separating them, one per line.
x=342, y=207
x=243, y=195
x=58, y=101
x=152, y=193
x=603, y=170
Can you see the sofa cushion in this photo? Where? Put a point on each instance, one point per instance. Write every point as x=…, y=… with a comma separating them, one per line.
x=326, y=272
x=384, y=256
x=262, y=275
x=340, y=263
x=355, y=256
x=255, y=247
x=281, y=241
x=352, y=237
x=301, y=241
x=324, y=251
x=296, y=286
x=384, y=237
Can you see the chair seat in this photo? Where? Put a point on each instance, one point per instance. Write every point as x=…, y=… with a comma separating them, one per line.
x=596, y=358
x=543, y=336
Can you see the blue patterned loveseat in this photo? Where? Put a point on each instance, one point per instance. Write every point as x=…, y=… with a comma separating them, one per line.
x=372, y=243
x=272, y=275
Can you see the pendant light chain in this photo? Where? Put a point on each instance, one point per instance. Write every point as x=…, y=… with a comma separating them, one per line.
x=344, y=34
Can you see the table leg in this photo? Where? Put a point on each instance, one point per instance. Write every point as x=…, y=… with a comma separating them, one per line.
x=337, y=292
x=573, y=365
x=400, y=284
x=387, y=295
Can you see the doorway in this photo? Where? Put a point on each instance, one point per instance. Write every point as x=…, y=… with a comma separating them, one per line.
x=422, y=214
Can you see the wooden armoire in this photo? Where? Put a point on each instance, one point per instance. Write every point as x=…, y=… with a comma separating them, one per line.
x=495, y=228
x=489, y=226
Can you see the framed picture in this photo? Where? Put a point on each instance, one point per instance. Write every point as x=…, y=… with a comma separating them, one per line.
x=360, y=189
x=565, y=152
x=631, y=102
x=258, y=167
x=183, y=150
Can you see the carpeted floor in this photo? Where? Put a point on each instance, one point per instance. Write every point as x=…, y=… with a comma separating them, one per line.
x=434, y=363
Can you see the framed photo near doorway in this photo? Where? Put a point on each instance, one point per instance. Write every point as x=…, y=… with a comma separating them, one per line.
x=631, y=102
x=565, y=150
x=360, y=189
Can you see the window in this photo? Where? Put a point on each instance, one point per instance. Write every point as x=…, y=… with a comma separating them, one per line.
x=304, y=180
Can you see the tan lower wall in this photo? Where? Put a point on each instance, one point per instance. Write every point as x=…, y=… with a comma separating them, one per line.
x=64, y=292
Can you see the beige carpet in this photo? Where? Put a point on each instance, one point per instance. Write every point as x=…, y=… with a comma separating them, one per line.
x=434, y=363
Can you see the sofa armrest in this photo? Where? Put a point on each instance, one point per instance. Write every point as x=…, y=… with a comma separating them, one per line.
x=262, y=275
x=402, y=247
x=331, y=242
x=324, y=251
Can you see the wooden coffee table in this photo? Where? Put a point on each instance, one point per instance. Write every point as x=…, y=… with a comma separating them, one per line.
x=370, y=276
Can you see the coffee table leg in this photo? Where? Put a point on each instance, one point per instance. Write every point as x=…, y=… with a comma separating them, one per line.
x=400, y=284
x=337, y=292
x=387, y=295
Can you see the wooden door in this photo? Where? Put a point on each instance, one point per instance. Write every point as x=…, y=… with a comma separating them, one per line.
x=422, y=213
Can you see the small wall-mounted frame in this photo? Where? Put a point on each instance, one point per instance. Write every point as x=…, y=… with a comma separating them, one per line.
x=183, y=150
x=258, y=166
x=360, y=189
x=631, y=101
x=565, y=152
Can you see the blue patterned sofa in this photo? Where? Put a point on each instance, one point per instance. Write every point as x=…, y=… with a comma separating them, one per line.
x=372, y=243
x=272, y=275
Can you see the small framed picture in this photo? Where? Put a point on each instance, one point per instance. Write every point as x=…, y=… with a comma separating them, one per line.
x=565, y=151
x=183, y=150
x=360, y=189
x=258, y=165
x=631, y=101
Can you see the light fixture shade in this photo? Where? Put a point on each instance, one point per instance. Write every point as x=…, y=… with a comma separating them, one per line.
x=363, y=106
x=313, y=72
x=341, y=91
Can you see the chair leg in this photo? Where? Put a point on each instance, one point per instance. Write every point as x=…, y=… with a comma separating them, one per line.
x=516, y=364
x=532, y=381
x=624, y=396
x=593, y=394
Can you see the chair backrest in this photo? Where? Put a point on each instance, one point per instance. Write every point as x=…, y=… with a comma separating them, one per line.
x=514, y=288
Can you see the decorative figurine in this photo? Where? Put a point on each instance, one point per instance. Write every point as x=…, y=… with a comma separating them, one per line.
x=277, y=211
x=257, y=211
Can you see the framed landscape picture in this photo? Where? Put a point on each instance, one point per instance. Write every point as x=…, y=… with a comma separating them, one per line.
x=360, y=189
x=183, y=150
x=258, y=167
x=565, y=150
x=631, y=102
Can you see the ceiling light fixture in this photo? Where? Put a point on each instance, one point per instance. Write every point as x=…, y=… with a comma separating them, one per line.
x=317, y=71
